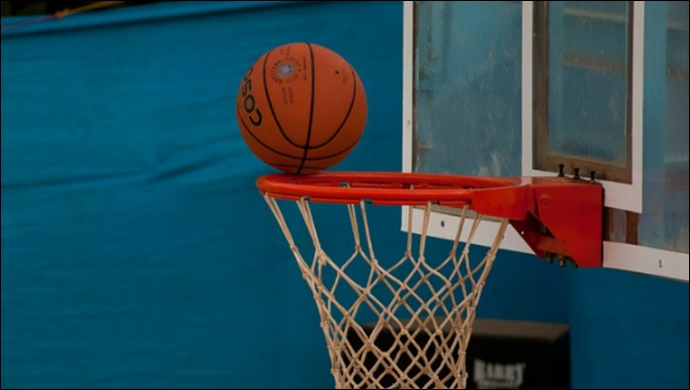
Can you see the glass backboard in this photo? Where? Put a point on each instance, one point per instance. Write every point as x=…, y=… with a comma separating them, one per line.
x=597, y=90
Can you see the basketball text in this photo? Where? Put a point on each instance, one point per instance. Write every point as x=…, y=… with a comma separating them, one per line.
x=249, y=105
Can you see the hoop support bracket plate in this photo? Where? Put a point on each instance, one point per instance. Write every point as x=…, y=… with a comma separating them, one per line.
x=559, y=218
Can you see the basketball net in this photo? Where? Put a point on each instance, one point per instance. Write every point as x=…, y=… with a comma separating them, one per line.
x=419, y=310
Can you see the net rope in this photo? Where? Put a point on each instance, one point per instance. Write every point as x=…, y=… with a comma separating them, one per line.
x=402, y=323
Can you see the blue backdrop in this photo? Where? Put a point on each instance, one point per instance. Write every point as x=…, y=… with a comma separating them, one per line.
x=136, y=251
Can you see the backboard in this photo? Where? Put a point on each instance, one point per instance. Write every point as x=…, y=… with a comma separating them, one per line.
x=597, y=90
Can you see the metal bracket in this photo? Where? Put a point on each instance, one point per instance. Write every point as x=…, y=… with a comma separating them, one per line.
x=557, y=217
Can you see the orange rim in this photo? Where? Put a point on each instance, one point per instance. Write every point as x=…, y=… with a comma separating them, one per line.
x=393, y=188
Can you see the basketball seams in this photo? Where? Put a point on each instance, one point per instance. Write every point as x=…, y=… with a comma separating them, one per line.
x=338, y=153
x=302, y=167
x=248, y=129
x=277, y=152
x=311, y=106
x=270, y=103
x=255, y=138
x=347, y=115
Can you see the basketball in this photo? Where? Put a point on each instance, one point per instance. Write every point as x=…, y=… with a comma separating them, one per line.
x=301, y=108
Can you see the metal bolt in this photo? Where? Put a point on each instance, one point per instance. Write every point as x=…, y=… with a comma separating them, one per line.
x=561, y=261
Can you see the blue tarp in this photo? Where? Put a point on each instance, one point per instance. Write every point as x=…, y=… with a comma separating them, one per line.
x=136, y=250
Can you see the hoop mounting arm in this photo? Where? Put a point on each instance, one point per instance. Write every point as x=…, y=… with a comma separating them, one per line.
x=557, y=217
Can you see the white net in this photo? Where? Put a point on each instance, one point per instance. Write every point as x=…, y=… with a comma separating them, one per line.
x=394, y=323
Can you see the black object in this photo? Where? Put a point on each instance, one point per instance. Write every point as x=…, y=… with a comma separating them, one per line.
x=502, y=354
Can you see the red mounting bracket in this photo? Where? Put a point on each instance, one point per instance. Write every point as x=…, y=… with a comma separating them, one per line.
x=557, y=217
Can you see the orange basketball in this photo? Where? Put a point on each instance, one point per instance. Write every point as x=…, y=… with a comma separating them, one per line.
x=301, y=108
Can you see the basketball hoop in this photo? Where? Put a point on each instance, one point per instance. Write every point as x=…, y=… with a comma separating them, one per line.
x=425, y=301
